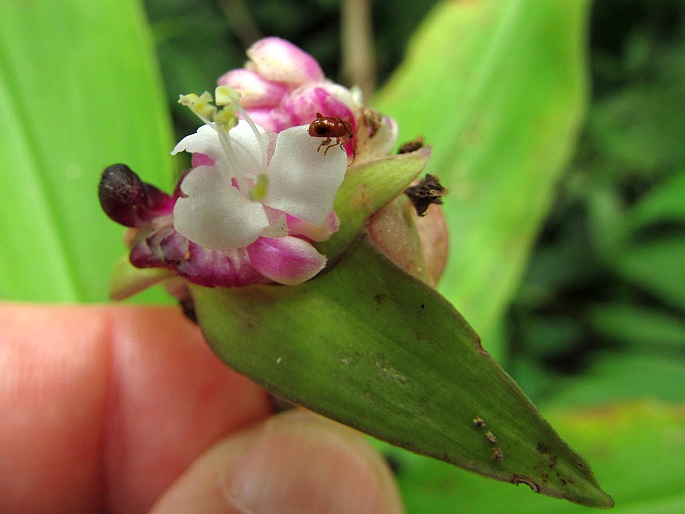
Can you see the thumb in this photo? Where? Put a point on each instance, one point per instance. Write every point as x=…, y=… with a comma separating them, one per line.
x=294, y=462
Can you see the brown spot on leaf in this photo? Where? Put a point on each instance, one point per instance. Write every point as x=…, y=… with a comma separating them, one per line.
x=378, y=297
x=479, y=347
x=542, y=449
x=411, y=146
x=490, y=437
x=497, y=454
x=517, y=479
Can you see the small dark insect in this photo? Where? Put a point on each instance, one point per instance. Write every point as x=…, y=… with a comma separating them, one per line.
x=330, y=128
x=497, y=454
x=411, y=146
x=478, y=423
x=426, y=192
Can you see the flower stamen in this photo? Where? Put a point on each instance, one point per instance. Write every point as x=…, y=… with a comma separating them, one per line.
x=231, y=97
x=222, y=121
x=260, y=188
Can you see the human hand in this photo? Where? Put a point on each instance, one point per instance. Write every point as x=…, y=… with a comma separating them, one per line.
x=125, y=409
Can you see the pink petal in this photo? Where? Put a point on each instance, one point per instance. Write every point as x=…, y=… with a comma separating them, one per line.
x=263, y=116
x=301, y=106
x=200, y=159
x=287, y=260
x=255, y=90
x=279, y=60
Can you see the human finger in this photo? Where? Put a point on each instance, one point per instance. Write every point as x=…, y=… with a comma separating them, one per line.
x=104, y=407
x=292, y=463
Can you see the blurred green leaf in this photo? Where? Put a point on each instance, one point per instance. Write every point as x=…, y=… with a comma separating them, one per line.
x=637, y=130
x=550, y=334
x=79, y=90
x=637, y=450
x=370, y=346
x=613, y=377
x=666, y=202
x=657, y=266
x=498, y=88
x=643, y=329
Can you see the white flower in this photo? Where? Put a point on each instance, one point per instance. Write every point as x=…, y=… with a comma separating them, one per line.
x=251, y=180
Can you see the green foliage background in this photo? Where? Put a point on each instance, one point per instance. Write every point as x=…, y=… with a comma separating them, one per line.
x=568, y=250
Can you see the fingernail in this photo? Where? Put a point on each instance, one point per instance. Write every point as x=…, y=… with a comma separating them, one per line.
x=304, y=464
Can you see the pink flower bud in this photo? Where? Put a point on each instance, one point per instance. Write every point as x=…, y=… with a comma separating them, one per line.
x=279, y=60
x=255, y=90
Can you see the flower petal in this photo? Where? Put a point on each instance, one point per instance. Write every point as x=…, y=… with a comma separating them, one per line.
x=255, y=90
x=215, y=215
x=204, y=141
x=243, y=140
x=248, y=148
x=264, y=117
x=277, y=59
x=303, y=178
x=278, y=223
x=298, y=227
x=200, y=159
x=384, y=139
x=300, y=106
x=166, y=248
x=286, y=260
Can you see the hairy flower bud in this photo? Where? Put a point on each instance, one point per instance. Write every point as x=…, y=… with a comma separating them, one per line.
x=128, y=200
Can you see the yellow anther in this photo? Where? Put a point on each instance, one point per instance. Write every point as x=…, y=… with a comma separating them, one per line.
x=188, y=100
x=226, y=118
x=203, y=107
x=200, y=105
x=226, y=95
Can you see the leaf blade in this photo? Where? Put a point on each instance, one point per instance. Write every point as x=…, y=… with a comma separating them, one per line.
x=498, y=88
x=378, y=350
x=83, y=95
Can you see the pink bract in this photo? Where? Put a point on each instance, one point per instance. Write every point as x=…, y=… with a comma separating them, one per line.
x=282, y=86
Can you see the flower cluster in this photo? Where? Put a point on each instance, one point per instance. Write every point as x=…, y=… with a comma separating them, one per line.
x=261, y=189
x=281, y=86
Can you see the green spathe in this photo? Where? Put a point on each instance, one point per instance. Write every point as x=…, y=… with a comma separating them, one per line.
x=367, y=188
x=370, y=346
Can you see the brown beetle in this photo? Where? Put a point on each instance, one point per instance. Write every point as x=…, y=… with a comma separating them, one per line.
x=329, y=128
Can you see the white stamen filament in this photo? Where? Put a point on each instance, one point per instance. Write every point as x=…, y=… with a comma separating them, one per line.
x=231, y=157
x=260, y=140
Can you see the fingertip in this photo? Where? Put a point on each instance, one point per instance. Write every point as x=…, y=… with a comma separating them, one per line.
x=295, y=462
